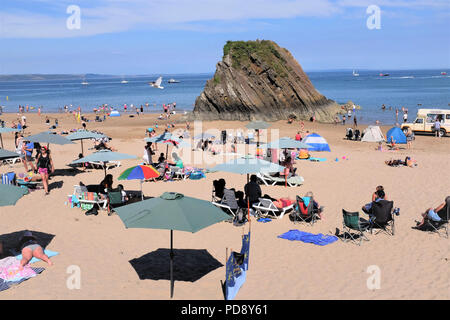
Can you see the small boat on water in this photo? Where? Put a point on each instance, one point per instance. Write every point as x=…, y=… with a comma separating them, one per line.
x=384, y=74
x=84, y=83
x=173, y=81
x=443, y=73
x=355, y=74
x=124, y=81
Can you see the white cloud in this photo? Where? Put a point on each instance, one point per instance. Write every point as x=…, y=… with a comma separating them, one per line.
x=108, y=16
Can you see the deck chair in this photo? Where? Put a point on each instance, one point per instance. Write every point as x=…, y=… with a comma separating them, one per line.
x=266, y=208
x=228, y=203
x=114, y=200
x=305, y=212
x=382, y=217
x=352, y=222
x=437, y=226
x=80, y=191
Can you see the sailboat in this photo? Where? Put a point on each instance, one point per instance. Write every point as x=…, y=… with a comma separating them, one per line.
x=173, y=81
x=355, y=74
x=123, y=80
x=84, y=82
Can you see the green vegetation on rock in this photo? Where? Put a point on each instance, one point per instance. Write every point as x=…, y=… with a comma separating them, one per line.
x=263, y=50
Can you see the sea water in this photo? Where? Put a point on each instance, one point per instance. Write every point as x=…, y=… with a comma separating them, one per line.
x=411, y=89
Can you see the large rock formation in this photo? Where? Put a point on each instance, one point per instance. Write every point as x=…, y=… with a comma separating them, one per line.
x=260, y=80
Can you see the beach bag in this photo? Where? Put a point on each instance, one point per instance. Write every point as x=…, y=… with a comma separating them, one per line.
x=303, y=154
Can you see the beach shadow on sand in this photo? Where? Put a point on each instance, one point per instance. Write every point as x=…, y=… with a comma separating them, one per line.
x=10, y=241
x=188, y=264
x=67, y=172
x=55, y=185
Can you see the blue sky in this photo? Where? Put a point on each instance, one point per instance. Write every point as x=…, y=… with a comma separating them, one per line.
x=181, y=36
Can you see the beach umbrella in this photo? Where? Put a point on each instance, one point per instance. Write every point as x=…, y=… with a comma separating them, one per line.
x=171, y=211
x=287, y=143
x=10, y=194
x=140, y=172
x=48, y=138
x=257, y=125
x=317, y=142
x=168, y=138
x=104, y=156
x=5, y=154
x=5, y=130
x=84, y=134
x=204, y=135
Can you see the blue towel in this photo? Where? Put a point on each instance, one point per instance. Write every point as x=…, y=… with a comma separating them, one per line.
x=307, y=237
x=264, y=220
x=317, y=159
x=49, y=254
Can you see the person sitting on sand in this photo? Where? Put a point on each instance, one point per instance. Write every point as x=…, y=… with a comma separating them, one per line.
x=289, y=169
x=219, y=187
x=436, y=214
x=29, y=247
x=395, y=163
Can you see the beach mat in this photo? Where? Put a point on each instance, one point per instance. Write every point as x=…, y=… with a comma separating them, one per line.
x=49, y=254
x=318, y=239
x=11, y=273
x=264, y=220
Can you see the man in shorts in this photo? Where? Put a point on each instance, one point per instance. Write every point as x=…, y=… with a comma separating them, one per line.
x=27, y=159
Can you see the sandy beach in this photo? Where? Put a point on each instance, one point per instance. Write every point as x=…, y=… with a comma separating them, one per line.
x=413, y=264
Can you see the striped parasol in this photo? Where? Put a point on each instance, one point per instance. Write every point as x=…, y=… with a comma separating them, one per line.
x=140, y=172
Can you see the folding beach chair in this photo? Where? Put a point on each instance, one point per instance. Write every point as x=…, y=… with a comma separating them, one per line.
x=266, y=208
x=228, y=203
x=437, y=226
x=114, y=200
x=352, y=221
x=382, y=217
x=81, y=193
x=305, y=212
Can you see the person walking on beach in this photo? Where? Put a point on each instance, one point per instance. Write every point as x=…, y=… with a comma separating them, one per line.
x=27, y=150
x=355, y=122
x=405, y=116
x=44, y=163
x=343, y=120
x=409, y=138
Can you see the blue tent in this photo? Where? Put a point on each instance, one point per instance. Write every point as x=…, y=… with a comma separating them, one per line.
x=317, y=142
x=397, y=134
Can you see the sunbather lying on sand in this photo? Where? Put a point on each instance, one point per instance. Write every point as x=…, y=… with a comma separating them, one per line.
x=30, y=248
x=408, y=162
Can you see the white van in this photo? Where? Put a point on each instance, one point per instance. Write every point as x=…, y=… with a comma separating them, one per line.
x=424, y=122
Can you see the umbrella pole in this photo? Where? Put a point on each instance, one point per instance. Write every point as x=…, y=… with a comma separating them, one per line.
x=142, y=194
x=82, y=149
x=167, y=150
x=171, y=263
x=1, y=138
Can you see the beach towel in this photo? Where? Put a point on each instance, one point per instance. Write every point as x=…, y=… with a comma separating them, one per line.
x=317, y=159
x=264, y=220
x=49, y=254
x=318, y=239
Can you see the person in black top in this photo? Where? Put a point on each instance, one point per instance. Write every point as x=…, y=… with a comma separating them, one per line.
x=44, y=164
x=252, y=190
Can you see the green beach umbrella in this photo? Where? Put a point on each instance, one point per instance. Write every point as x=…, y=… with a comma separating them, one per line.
x=257, y=125
x=5, y=130
x=84, y=134
x=5, y=154
x=248, y=165
x=10, y=194
x=48, y=138
x=171, y=211
x=104, y=156
x=286, y=143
